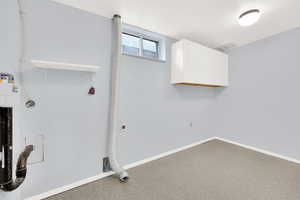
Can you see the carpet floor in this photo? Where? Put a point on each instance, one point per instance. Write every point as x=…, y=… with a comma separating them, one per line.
x=212, y=171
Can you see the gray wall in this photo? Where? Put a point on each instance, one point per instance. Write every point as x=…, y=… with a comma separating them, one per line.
x=261, y=107
x=8, y=62
x=157, y=114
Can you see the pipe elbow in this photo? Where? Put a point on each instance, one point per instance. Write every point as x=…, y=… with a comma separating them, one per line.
x=21, y=171
x=123, y=176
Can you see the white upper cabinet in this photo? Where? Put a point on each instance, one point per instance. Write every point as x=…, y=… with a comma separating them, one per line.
x=194, y=64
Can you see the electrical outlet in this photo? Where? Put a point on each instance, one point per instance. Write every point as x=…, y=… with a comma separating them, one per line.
x=123, y=128
x=38, y=154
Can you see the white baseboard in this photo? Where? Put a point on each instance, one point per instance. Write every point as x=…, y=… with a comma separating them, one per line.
x=103, y=175
x=260, y=150
x=135, y=164
x=69, y=187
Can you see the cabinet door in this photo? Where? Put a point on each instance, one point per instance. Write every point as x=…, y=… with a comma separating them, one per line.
x=204, y=66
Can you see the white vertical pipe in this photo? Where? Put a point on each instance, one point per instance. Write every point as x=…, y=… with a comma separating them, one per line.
x=114, y=101
x=23, y=45
x=23, y=54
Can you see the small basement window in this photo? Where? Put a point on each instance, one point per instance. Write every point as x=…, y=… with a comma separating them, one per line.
x=141, y=44
x=150, y=49
x=131, y=44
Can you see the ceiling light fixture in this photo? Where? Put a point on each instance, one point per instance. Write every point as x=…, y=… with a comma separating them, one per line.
x=249, y=17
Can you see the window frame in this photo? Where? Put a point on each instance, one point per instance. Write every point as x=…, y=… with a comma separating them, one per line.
x=150, y=40
x=140, y=47
x=160, y=56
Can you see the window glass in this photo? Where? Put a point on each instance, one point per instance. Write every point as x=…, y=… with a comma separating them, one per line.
x=131, y=44
x=150, y=48
x=140, y=45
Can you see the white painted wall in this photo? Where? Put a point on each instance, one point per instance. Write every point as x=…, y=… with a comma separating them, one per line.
x=261, y=106
x=157, y=114
x=8, y=62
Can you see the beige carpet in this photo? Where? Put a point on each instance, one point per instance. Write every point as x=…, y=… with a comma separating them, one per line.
x=211, y=171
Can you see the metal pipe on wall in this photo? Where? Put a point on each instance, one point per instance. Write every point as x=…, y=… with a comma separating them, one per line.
x=29, y=103
x=114, y=101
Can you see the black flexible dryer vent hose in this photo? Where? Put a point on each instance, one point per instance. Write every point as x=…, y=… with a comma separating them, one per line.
x=21, y=171
x=6, y=165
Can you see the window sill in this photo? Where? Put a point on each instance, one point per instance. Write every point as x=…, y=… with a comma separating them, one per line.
x=145, y=58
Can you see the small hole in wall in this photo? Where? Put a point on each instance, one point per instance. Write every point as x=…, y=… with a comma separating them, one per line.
x=123, y=129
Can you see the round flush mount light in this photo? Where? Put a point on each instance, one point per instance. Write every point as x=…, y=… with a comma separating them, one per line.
x=249, y=17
